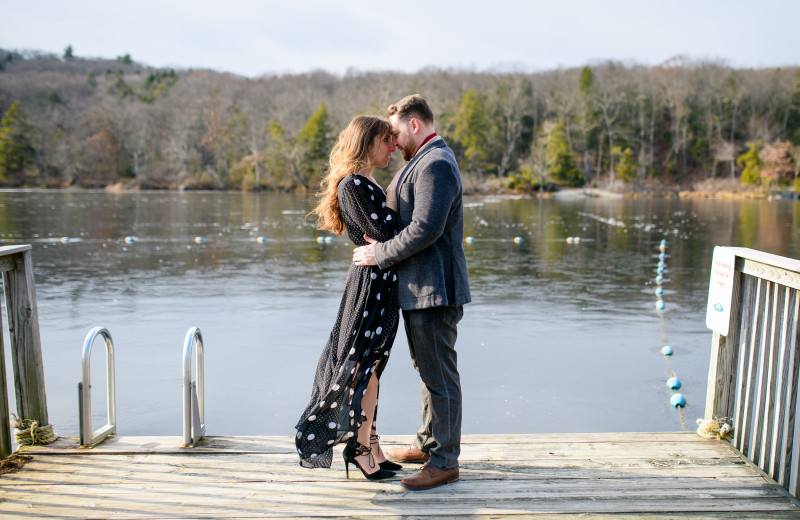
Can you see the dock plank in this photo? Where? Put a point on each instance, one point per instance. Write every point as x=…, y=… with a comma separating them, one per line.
x=602, y=476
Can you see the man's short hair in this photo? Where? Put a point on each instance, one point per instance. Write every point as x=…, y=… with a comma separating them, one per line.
x=412, y=106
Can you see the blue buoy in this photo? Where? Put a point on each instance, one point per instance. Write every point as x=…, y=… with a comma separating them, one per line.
x=673, y=383
x=469, y=240
x=517, y=240
x=261, y=240
x=659, y=291
x=199, y=240
x=660, y=305
x=666, y=350
x=677, y=400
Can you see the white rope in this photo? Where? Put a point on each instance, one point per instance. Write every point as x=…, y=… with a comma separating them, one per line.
x=30, y=433
x=714, y=429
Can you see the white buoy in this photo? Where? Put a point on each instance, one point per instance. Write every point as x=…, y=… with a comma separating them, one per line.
x=469, y=240
x=666, y=350
x=659, y=291
x=130, y=240
x=673, y=383
x=660, y=305
x=329, y=240
x=261, y=240
x=517, y=240
x=199, y=240
x=320, y=240
x=65, y=240
x=659, y=279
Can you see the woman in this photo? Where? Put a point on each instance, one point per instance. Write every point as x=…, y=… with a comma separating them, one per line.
x=345, y=392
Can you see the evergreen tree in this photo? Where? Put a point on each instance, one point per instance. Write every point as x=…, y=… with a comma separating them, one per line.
x=750, y=162
x=627, y=166
x=471, y=126
x=68, y=53
x=315, y=141
x=16, y=142
x=560, y=160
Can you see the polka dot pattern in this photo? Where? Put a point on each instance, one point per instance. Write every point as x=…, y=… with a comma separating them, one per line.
x=362, y=335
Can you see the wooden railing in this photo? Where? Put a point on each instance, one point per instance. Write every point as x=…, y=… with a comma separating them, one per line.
x=754, y=309
x=26, y=351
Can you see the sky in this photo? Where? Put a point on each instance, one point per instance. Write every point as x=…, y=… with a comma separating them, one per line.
x=252, y=38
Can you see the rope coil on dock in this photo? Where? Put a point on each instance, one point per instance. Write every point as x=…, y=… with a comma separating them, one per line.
x=29, y=433
x=714, y=429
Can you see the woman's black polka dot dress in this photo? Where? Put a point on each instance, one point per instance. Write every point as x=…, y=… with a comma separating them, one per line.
x=362, y=337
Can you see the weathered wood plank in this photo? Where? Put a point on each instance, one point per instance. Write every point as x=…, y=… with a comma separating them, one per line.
x=258, y=477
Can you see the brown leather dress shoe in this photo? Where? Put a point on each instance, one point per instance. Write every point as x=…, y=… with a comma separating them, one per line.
x=430, y=477
x=408, y=454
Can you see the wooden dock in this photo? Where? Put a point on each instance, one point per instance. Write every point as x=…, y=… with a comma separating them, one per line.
x=588, y=476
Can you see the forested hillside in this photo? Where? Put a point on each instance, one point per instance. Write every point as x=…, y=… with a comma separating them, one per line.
x=92, y=122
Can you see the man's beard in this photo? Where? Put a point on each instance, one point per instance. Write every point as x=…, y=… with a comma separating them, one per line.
x=407, y=150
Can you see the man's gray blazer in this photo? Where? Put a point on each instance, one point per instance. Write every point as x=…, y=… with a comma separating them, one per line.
x=429, y=251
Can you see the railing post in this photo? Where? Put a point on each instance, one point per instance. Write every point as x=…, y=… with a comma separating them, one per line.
x=23, y=331
x=721, y=389
x=194, y=426
x=87, y=436
x=5, y=426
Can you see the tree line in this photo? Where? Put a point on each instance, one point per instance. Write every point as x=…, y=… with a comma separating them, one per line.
x=71, y=121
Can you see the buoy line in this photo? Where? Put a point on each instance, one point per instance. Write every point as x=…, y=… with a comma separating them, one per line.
x=673, y=383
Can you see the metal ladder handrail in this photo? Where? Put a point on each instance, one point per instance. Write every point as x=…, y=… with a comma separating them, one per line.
x=87, y=437
x=194, y=426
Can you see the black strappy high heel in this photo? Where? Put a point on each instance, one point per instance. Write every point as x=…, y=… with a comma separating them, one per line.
x=386, y=464
x=352, y=451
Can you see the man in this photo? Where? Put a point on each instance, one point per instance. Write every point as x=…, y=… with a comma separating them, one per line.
x=432, y=284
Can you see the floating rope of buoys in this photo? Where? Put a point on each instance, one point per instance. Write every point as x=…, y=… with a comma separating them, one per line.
x=714, y=429
x=29, y=432
x=573, y=240
x=324, y=240
x=673, y=383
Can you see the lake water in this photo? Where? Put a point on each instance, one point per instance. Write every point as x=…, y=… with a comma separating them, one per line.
x=560, y=337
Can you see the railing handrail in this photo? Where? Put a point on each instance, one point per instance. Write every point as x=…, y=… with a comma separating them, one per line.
x=88, y=437
x=753, y=374
x=193, y=413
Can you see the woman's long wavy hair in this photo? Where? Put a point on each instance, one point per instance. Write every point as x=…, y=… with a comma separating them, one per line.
x=350, y=154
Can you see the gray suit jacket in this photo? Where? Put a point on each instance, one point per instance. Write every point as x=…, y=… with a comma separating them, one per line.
x=429, y=251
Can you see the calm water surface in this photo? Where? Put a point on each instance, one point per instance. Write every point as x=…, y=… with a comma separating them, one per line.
x=559, y=338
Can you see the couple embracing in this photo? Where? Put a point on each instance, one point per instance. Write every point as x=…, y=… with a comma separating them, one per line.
x=410, y=258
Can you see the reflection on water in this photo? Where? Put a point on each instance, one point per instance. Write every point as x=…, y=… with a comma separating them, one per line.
x=560, y=337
